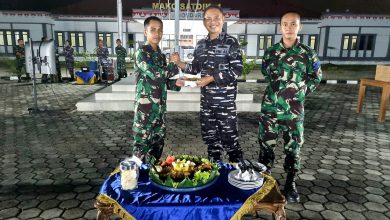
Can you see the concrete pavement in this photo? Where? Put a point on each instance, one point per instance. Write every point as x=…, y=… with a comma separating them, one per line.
x=53, y=163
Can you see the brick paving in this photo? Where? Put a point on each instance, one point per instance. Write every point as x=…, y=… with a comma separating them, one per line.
x=53, y=163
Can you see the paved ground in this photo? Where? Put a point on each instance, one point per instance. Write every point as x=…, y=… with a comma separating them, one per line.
x=53, y=163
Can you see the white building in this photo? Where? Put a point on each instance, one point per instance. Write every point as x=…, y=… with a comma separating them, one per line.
x=341, y=38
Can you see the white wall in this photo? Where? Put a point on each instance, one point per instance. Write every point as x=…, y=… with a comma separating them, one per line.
x=310, y=28
x=5, y=26
x=107, y=26
x=91, y=43
x=321, y=42
x=236, y=29
x=35, y=30
x=82, y=26
x=134, y=27
x=251, y=48
x=261, y=28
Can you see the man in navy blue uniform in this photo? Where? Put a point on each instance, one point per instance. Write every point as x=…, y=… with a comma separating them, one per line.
x=218, y=59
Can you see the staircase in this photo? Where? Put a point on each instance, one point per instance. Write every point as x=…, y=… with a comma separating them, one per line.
x=120, y=97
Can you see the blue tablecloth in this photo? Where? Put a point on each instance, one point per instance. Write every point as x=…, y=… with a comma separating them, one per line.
x=219, y=201
x=86, y=77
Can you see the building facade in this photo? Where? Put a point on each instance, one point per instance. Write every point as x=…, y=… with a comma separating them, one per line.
x=340, y=38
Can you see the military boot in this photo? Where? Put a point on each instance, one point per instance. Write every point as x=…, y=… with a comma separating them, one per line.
x=290, y=189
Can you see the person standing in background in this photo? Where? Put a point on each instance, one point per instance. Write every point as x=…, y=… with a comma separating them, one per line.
x=69, y=59
x=121, y=54
x=102, y=54
x=20, y=60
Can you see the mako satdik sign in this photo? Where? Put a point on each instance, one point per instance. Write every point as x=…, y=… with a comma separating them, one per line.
x=183, y=6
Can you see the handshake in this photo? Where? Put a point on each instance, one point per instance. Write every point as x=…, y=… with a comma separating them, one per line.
x=201, y=82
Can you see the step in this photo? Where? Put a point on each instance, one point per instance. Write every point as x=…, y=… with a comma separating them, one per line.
x=108, y=94
x=90, y=104
x=131, y=88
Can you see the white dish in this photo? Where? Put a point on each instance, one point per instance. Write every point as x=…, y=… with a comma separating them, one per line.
x=245, y=185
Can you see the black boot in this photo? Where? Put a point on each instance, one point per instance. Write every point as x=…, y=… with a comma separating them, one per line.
x=19, y=79
x=290, y=189
x=235, y=157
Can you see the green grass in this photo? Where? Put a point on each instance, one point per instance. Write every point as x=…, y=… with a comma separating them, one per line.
x=8, y=64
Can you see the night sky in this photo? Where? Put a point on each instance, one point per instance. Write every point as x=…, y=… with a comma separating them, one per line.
x=248, y=8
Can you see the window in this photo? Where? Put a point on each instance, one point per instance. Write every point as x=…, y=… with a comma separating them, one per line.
x=107, y=39
x=9, y=38
x=59, y=39
x=357, y=45
x=77, y=39
x=241, y=38
x=2, y=43
x=313, y=42
x=81, y=39
x=370, y=42
x=25, y=36
x=353, y=42
x=168, y=43
x=20, y=35
x=186, y=40
x=345, y=42
x=300, y=37
x=265, y=41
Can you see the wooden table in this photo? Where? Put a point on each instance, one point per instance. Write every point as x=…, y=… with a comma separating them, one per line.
x=384, y=98
x=268, y=200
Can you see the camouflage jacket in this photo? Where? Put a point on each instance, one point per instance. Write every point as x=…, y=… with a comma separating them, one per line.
x=291, y=75
x=20, y=50
x=102, y=53
x=153, y=75
x=121, y=54
x=220, y=58
x=68, y=53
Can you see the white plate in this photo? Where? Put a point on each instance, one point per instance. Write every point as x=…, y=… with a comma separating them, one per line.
x=186, y=75
x=245, y=185
x=234, y=173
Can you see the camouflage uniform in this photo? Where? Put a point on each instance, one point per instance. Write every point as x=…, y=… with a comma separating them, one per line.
x=20, y=61
x=291, y=75
x=153, y=75
x=121, y=54
x=102, y=54
x=220, y=58
x=69, y=60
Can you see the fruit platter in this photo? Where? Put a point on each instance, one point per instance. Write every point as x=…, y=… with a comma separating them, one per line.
x=183, y=173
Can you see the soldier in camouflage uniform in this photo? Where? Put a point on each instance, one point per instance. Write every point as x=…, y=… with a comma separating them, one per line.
x=69, y=58
x=219, y=61
x=20, y=60
x=121, y=54
x=152, y=82
x=102, y=54
x=292, y=71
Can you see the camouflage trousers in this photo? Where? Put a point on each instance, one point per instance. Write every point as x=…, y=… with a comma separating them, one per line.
x=20, y=68
x=219, y=129
x=149, y=131
x=286, y=133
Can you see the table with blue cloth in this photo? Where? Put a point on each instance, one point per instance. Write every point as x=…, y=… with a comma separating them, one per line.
x=85, y=77
x=219, y=201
